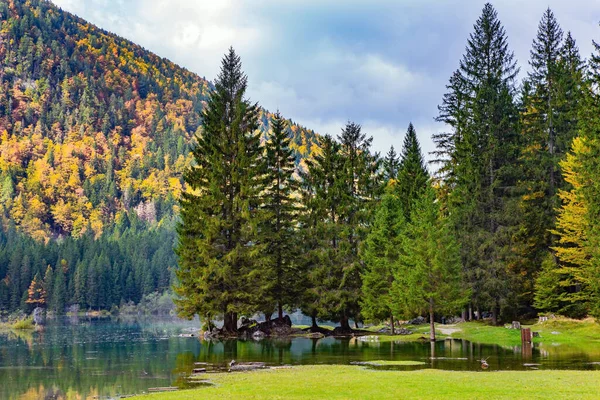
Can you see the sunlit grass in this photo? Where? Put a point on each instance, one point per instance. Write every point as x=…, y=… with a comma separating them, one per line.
x=354, y=382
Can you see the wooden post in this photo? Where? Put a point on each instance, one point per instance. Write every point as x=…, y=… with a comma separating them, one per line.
x=526, y=335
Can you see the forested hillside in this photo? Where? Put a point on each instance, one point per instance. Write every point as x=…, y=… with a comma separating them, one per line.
x=95, y=132
x=92, y=126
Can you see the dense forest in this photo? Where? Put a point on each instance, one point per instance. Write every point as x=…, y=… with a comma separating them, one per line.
x=95, y=133
x=507, y=227
x=110, y=157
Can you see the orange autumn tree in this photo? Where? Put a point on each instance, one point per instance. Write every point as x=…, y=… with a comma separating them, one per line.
x=36, y=292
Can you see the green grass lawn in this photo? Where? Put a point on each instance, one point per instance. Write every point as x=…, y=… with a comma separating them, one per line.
x=560, y=331
x=353, y=382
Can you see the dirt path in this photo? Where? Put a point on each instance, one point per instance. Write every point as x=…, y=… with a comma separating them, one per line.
x=448, y=329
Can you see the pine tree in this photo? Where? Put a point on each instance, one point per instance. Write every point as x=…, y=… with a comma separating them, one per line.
x=48, y=284
x=391, y=164
x=59, y=291
x=321, y=230
x=478, y=158
x=360, y=186
x=218, y=246
x=282, y=273
x=379, y=254
x=548, y=119
x=427, y=277
x=14, y=278
x=412, y=174
x=80, y=284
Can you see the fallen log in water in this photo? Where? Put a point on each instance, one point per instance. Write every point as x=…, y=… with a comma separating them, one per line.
x=249, y=366
x=163, y=389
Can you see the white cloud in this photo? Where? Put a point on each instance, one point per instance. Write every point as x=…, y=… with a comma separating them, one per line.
x=323, y=62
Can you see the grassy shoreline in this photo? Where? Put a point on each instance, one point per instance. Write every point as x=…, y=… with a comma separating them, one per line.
x=556, y=331
x=19, y=324
x=353, y=382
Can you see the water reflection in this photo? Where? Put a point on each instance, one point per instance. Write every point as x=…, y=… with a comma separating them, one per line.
x=106, y=358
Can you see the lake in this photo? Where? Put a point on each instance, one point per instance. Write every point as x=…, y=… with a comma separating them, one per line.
x=105, y=358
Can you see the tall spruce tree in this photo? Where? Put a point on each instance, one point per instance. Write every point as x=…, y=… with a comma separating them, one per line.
x=427, y=275
x=478, y=156
x=549, y=111
x=391, y=163
x=59, y=290
x=379, y=253
x=412, y=175
x=360, y=185
x=321, y=230
x=218, y=248
x=344, y=182
x=282, y=271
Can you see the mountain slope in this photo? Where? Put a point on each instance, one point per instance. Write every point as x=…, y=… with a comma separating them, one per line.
x=93, y=128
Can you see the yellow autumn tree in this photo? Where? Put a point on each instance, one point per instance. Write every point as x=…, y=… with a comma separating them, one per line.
x=562, y=284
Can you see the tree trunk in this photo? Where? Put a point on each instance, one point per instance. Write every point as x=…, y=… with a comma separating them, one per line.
x=470, y=312
x=431, y=321
x=230, y=322
x=495, y=312
x=392, y=323
x=355, y=324
x=344, y=324
x=226, y=322
x=280, y=310
x=314, y=320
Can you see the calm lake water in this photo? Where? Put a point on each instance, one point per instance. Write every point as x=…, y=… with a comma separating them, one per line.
x=106, y=358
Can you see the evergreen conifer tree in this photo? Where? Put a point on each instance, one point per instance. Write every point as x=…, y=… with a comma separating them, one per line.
x=322, y=230
x=48, y=283
x=391, y=164
x=282, y=274
x=548, y=119
x=427, y=275
x=218, y=248
x=360, y=185
x=412, y=175
x=59, y=291
x=379, y=253
x=478, y=158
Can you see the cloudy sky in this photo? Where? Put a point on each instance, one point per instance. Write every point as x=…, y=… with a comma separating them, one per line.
x=323, y=62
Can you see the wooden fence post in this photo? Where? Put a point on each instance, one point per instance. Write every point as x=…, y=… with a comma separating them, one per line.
x=526, y=335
